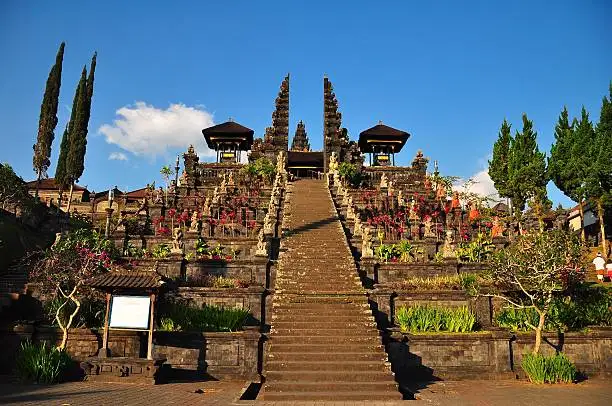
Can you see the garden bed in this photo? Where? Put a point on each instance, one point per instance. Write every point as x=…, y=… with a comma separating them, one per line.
x=221, y=355
x=250, y=298
x=494, y=354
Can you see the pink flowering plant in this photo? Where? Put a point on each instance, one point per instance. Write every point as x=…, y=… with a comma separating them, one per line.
x=63, y=269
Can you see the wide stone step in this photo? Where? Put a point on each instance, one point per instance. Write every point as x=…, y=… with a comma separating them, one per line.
x=336, y=366
x=335, y=395
x=334, y=332
x=284, y=339
x=339, y=347
x=368, y=355
x=324, y=319
x=329, y=376
x=323, y=324
x=330, y=387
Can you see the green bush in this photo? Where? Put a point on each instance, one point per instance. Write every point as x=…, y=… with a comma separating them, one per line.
x=553, y=369
x=175, y=316
x=477, y=250
x=425, y=318
x=587, y=305
x=41, y=363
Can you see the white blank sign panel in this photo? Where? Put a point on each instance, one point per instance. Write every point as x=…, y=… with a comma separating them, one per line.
x=130, y=312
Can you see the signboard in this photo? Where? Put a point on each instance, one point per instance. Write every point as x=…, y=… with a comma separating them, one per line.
x=130, y=312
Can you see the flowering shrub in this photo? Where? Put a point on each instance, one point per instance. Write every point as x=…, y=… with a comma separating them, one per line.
x=63, y=269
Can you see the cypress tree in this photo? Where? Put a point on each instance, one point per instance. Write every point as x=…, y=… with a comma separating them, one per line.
x=48, y=118
x=527, y=171
x=599, y=176
x=61, y=179
x=564, y=166
x=76, y=136
x=498, y=165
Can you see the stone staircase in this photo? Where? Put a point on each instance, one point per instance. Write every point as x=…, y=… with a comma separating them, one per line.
x=324, y=344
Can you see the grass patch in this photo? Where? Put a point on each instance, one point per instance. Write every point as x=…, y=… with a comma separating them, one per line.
x=175, y=316
x=433, y=319
x=41, y=363
x=553, y=369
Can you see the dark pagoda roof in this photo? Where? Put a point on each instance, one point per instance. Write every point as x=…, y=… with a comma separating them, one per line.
x=299, y=159
x=228, y=132
x=382, y=135
x=140, y=280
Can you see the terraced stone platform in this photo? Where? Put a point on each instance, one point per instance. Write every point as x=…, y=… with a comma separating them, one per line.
x=324, y=344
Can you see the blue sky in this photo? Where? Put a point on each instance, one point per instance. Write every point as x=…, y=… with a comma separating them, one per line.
x=447, y=72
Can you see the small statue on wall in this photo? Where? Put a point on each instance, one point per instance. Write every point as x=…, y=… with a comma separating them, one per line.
x=194, y=222
x=384, y=181
x=262, y=245
x=177, y=241
x=428, y=231
x=448, y=249
x=366, y=243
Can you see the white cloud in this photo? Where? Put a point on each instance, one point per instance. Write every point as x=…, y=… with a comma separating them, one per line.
x=147, y=130
x=117, y=156
x=481, y=184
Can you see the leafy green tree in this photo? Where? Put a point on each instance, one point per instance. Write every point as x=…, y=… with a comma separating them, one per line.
x=13, y=191
x=498, y=165
x=598, y=182
x=48, y=119
x=527, y=172
x=534, y=270
x=564, y=165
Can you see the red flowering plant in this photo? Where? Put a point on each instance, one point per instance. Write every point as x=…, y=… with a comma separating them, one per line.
x=63, y=269
x=171, y=213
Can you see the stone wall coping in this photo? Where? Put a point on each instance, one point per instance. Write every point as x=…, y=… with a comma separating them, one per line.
x=498, y=333
x=229, y=291
x=446, y=336
x=404, y=265
x=249, y=332
x=254, y=260
x=386, y=290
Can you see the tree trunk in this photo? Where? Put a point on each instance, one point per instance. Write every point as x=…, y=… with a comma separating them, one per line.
x=538, y=333
x=582, y=232
x=602, y=227
x=62, y=346
x=59, y=202
x=70, y=197
x=37, y=184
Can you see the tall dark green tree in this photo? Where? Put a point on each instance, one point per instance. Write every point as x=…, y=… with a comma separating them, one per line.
x=48, y=119
x=75, y=162
x=599, y=176
x=498, y=165
x=528, y=176
x=77, y=140
x=61, y=176
x=567, y=156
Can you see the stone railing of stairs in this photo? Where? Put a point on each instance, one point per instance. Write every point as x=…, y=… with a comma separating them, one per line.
x=323, y=343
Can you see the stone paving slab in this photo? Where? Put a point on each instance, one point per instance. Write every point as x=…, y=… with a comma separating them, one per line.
x=460, y=393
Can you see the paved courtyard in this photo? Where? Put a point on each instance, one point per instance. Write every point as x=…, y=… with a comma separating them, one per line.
x=462, y=393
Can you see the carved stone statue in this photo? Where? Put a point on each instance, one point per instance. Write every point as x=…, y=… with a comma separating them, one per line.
x=428, y=231
x=366, y=244
x=357, y=228
x=223, y=188
x=390, y=189
x=215, y=199
x=448, y=249
x=159, y=196
x=268, y=227
x=384, y=181
x=262, y=245
x=333, y=163
x=177, y=241
x=194, y=222
x=455, y=202
x=400, y=198
x=414, y=214
x=206, y=209
x=230, y=180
